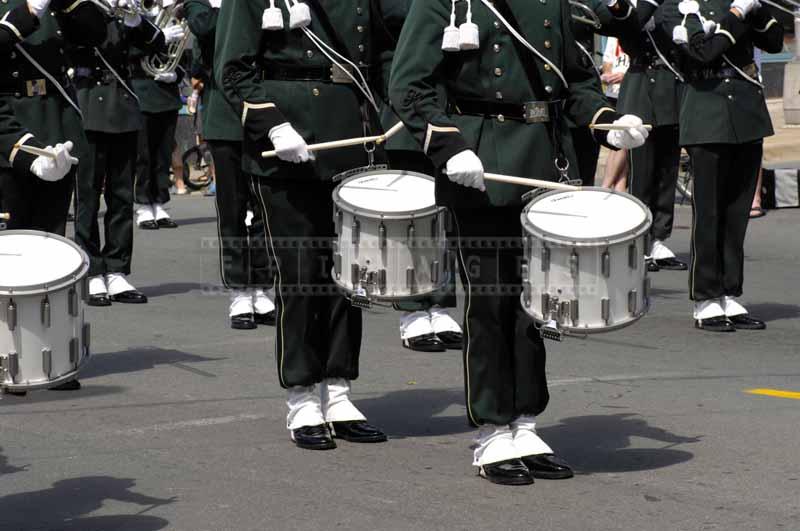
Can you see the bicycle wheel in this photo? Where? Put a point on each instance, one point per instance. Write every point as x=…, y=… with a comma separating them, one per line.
x=685, y=177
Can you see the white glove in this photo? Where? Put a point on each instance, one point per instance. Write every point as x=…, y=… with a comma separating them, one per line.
x=466, y=169
x=174, y=33
x=166, y=77
x=746, y=6
x=38, y=7
x=709, y=26
x=289, y=145
x=632, y=137
x=54, y=168
x=680, y=35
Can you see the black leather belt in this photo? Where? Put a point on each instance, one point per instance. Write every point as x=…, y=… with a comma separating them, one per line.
x=21, y=88
x=531, y=112
x=705, y=74
x=101, y=75
x=325, y=74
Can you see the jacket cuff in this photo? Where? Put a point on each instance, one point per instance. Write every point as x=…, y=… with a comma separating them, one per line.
x=443, y=142
x=732, y=27
x=621, y=10
x=604, y=115
x=259, y=118
x=20, y=160
x=20, y=22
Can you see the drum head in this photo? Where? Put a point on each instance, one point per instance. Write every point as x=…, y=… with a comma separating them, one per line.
x=33, y=261
x=387, y=192
x=588, y=215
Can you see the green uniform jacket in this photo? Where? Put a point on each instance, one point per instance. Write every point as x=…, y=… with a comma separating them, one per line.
x=154, y=96
x=11, y=134
x=36, y=101
x=725, y=109
x=107, y=105
x=494, y=73
x=650, y=89
x=248, y=59
x=221, y=120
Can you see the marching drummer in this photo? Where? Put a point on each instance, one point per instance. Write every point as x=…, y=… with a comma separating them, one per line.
x=425, y=324
x=652, y=89
x=295, y=75
x=723, y=122
x=244, y=264
x=35, y=84
x=502, y=111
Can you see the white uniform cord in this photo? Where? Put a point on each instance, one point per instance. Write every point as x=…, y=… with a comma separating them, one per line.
x=528, y=45
x=742, y=72
x=53, y=80
x=119, y=78
x=582, y=48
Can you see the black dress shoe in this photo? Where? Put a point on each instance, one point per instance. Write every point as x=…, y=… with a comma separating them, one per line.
x=167, y=223
x=72, y=385
x=715, y=324
x=425, y=343
x=243, y=321
x=745, y=322
x=652, y=267
x=150, y=224
x=313, y=438
x=266, y=318
x=357, y=431
x=14, y=393
x=509, y=472
x=100, y=299
x=132, y=296
x=451, y=340
x=671, y=264
x=547, y=466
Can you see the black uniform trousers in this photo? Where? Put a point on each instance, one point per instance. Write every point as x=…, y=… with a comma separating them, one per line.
x=587, y=151
x=504, y=355
x=243, y=256
x=725, y=178
x=653, y=176
x=35, y=204
x=419, y=162
x=318, y=332
x=114, y=158
x=156, y=144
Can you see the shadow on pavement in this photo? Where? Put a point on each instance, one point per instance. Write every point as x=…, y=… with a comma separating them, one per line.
x=172, y=288
x=412, y=413
x=5, y=468
x=195, y=221
x=64, y=505
x=40, y=396
x=770, y=311
x=601, y=443
x=140, y=359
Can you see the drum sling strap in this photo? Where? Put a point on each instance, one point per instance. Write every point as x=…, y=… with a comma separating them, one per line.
x=528, y=61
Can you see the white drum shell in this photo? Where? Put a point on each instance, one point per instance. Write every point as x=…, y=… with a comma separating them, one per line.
x=587, y=285
x=397, y=255
x=44, y=339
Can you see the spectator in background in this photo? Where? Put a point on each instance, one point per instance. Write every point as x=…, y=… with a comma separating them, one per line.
x=756, y=210
x=615, y=64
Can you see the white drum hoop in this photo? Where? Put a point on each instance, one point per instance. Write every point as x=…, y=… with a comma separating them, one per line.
x=341, y=204
x=55, y=285
x=533, y=230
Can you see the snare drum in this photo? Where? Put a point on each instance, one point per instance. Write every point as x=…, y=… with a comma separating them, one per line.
x=585, y=269
x=391, y=237
x=43, y=338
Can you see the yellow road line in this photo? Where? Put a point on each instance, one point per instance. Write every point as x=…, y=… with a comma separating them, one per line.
x=777, y=393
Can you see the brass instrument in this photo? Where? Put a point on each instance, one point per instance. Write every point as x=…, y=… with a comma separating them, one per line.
x=163, y=63
x=134, y=7
x=591, y=17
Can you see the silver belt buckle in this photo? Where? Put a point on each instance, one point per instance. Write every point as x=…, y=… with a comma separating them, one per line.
x=36, y=87
x=339, y=73
x=537, y=112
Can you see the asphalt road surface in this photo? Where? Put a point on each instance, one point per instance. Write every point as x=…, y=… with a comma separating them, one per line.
x=181, y=422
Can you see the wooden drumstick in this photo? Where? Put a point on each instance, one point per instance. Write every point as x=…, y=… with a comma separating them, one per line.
x=348, y=142
x=5, y=216
x=31, y=150
x=613, y=127
x=533, y=183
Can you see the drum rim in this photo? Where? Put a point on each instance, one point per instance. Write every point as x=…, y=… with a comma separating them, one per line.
x=579, y=331
x=389, y=298
x=639, y=230
x=343, y=205
x=54, y=285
